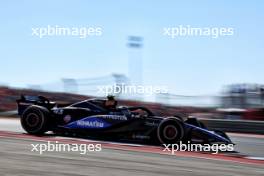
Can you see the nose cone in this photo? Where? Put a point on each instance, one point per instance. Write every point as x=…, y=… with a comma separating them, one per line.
x=206, y=136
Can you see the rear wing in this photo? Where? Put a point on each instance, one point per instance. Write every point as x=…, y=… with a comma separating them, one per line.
x=26, y=100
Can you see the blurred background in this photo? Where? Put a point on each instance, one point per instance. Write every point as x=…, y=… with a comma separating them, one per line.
x=206, y=77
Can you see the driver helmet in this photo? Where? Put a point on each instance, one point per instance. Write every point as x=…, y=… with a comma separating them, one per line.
x=110, y=102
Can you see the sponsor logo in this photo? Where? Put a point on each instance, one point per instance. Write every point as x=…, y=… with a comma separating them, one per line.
x=151, y=124
x=114, y=117
x=67, y=118
x=58, y=111
x=135, y=136
x=90, y=124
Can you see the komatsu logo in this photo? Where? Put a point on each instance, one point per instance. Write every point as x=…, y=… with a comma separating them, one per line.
x=91, y=124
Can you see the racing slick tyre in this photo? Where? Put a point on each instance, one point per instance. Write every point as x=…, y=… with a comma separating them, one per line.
x=170, y=131
x=34, y=120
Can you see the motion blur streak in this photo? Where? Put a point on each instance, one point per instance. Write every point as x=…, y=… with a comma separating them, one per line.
x=145, y=149
x=109, y=161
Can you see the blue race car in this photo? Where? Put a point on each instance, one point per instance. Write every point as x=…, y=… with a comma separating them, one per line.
x=102, y=118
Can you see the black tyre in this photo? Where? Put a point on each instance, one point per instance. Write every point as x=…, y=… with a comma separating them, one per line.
x=35, y=119
x=170, y=131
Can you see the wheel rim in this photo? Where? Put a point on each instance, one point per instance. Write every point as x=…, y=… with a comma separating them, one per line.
x=170, y=132
x=32, y=120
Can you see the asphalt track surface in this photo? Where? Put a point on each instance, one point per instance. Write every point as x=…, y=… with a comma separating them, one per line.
x=122, y=159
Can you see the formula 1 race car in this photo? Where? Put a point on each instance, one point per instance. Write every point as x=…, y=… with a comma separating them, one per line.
x=101, y=118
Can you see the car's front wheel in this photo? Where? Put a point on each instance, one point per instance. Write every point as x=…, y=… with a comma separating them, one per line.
x=170, y=131
x=35, y=120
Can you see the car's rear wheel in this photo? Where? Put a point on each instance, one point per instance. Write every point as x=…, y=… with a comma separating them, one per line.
x=170, y=131
x=35, y=119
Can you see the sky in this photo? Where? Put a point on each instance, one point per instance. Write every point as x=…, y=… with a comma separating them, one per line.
x=194, y=65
